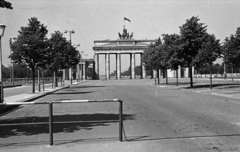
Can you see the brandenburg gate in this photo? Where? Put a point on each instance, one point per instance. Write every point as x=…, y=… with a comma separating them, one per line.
x=124, y=45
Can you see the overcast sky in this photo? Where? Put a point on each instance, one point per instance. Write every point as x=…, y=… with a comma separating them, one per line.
x=103, y=19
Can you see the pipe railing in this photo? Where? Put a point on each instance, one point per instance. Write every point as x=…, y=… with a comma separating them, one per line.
x=70, y=101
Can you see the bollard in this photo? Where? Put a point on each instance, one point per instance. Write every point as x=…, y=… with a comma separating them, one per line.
x=50, y=124
x=120, y=121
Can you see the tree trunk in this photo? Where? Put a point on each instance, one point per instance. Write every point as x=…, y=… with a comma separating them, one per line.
x=177, y=76
x=190, y=74
x=232, y=74
x=43, y=79
x=55, y=78
x=210, y=76
x=166, y=75
x=39, y=83
x=33, y=80
x=52, y=79
x=158, y=76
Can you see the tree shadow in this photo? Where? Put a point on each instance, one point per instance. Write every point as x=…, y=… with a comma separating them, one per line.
x=148, y=138
x=64, y=141
x=62, y=123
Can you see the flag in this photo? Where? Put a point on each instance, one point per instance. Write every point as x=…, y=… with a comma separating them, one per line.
x=126, y=19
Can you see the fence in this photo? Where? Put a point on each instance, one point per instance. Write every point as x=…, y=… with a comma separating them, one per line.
x=71, y=101
x=29, y=79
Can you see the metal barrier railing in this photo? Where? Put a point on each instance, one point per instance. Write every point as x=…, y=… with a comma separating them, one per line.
x=71, y=101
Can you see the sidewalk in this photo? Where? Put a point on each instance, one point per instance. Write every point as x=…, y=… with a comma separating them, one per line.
x=27, y=97
x=220, y=87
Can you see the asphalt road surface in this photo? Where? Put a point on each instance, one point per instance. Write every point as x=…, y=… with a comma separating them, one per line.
x=167, y=118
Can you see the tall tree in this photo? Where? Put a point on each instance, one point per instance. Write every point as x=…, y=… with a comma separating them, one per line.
x=171, y=45
x=192, y=37
x=211, y=50
x=153, y=57
x=30, y=46
x=231, y=50
x=62, y=53
x=5, y=4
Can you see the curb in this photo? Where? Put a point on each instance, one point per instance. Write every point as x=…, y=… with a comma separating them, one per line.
x=12, y=86
x=6, y=108
x=42, y=95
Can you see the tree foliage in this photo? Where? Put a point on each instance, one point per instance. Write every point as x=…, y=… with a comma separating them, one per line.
x=211, y=50
x=231, y=49
x=171, y=46
x=61, y=53
x=5, y=4
x=152, y=56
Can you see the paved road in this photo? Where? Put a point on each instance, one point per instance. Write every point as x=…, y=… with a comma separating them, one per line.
x=155, y=119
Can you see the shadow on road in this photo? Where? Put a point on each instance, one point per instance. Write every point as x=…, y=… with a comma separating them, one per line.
x=62, y=142
x=85, y=86
x=27, y=126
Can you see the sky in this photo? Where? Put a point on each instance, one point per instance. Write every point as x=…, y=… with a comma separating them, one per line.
x=103, y=19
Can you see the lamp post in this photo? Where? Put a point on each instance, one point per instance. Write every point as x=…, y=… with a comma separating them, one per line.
x=77, y=68
x=2, y=29
x=81, y=53
x=11, y=66
x=70, y=36
x=86, y=55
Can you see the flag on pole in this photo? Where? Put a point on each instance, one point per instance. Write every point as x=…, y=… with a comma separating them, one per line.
x=126, y=19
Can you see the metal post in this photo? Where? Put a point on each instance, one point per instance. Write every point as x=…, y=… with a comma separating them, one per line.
x=120, y=121
x=61, y=81
x=43, y=80
x=1, y=77
x=50, y=123
x=39, y=83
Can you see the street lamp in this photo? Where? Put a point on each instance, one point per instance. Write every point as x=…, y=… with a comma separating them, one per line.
x=2, y=29
x=77, y=74
x=70, y=35
x=81, y=53
x=77, y=45
x=11, y=68
x=86, y=55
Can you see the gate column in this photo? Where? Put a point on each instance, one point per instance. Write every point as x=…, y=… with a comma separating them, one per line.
x=84, y=71
x=80, y=72
x=96, y=66
x=107, y=65
x=118, y=66
x=132, y=58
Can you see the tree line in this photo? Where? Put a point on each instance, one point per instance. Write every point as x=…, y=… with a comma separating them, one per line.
x=35, y=50
x=192, y=47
